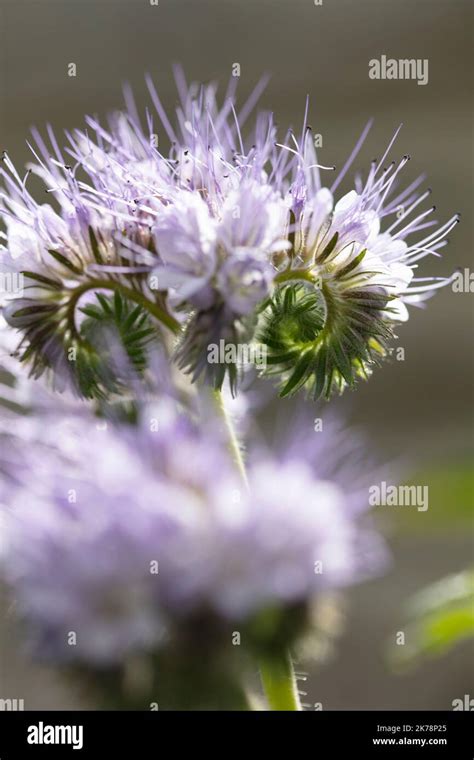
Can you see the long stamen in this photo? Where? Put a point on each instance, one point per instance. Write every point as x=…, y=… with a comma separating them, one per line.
x=352, y=156
x=376, y=187
x=441, y=232
x=404, y=230
x=409, y=210
x=390, y=182
x=160, y=110
x=397, y=131
x=395, y=202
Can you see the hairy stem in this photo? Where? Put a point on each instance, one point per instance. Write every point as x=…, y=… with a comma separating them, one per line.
x=278, y=678
x=233, y=443
x=279, y=684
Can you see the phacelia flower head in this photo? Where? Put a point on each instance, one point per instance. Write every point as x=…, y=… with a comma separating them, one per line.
x=126, y=535
x=65, y=258
x=219, y=236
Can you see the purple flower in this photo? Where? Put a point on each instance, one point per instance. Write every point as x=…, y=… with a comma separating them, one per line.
x=213, y=226
x=215, y=255
x=185, y=237
x=115, y=537
x=244, y=280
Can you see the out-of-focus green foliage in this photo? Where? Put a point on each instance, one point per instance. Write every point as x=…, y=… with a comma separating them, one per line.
x=451, y=500
x=439, y=617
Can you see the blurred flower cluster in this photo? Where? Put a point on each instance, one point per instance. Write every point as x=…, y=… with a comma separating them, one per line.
x=126, y=531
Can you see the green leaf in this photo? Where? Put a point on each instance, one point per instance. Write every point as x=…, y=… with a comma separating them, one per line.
x=439, y=618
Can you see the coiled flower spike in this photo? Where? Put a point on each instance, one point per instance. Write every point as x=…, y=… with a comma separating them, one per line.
x=346, y=283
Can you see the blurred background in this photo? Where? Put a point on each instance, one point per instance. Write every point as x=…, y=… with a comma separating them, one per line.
x=420, y=408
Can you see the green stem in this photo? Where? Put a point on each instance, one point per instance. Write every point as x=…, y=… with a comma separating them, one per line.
x=278, y=677
x=233, y=443
x=279, y=684
x=296, y=274
x=133, y=295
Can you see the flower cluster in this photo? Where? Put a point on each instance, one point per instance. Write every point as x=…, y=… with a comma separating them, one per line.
x=122, y=535
x=218, y=238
